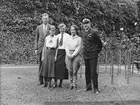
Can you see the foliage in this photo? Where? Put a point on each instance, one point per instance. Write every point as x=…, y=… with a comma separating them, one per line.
x=19, y=19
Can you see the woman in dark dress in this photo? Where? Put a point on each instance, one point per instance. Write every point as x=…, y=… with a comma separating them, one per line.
x=60, y=67
x=48, y=56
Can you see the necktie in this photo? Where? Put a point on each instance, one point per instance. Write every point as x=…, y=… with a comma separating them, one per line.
x=45, y=28
x=61, y=40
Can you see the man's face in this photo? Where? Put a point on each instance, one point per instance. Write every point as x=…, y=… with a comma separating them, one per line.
x=87, y=26
x=45, y=19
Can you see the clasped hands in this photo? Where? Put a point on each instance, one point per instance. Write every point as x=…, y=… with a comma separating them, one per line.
x=70, y=55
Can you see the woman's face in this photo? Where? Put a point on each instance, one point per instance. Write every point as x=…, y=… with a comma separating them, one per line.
x=62, y=29
x=52, y=31
x=73, y=30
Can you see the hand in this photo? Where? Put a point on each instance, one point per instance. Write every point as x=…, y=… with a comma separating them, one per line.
x=36, y=51
x=55, y=58
x=70, y=56
x=42, y=58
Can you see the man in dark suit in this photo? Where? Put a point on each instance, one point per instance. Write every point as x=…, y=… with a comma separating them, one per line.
x=41, y=32
x=92, y=46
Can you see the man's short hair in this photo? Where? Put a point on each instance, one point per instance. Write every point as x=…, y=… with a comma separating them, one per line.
x=45, y=14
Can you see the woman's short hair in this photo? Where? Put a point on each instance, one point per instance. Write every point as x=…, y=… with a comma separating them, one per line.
x=45, y=14
x=61, y=25
x=75, y=26
x=52, y=27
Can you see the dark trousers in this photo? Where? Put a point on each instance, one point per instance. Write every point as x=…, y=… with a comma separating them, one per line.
x=40, y=64
x=91, y=74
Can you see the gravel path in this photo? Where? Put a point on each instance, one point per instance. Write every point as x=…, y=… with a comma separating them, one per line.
x=19, y=87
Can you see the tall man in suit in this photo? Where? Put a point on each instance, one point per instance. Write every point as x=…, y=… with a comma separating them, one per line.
x=41, y=32
x=92, y=46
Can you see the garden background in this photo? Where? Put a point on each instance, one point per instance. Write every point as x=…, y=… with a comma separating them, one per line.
x=19, y=19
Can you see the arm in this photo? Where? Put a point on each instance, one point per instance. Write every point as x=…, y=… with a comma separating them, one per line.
x=100, y=44
x=67, y=51
x=97, y=40
x=44, y=48
x=78, y=48
x=36, y=39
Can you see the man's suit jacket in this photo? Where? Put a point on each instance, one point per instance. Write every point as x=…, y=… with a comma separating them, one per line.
x=40, y=37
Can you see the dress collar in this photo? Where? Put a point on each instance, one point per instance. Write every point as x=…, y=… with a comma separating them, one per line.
x=73, y=37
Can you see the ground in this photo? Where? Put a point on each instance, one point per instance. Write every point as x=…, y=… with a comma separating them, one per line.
x=19, y=87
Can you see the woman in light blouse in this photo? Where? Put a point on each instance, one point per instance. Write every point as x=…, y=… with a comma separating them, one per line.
x=48, y=57
x=73, y=59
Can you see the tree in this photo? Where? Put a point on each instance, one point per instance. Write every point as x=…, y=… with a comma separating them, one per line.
x=19, y=19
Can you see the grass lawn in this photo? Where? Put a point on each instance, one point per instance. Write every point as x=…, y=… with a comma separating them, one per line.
x=19, y=87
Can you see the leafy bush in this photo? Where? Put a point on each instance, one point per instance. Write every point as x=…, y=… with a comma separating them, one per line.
x=19, y=19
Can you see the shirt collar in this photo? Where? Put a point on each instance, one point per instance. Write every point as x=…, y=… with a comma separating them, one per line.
x=45, y=25
x=74, y=37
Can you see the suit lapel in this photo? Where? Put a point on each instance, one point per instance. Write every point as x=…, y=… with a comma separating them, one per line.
x=42, y=30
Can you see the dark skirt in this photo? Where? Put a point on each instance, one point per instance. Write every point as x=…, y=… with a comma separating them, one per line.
x=60, y=67
x=48, y=65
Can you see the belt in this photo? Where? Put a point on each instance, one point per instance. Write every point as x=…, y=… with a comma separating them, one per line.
x=50, y=48
x=71, y=50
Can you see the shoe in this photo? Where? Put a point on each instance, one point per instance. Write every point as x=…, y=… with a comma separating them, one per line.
x=45, y=85
x=75, y=88
x=60, y=85
x=54, y=86
x=96, y=91
x=88, y=89
x=49, y=86
x=39, y=84
x=71, y=87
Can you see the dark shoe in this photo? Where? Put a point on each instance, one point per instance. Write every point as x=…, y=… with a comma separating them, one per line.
x=60, y=85
x=96, y=91
x=88, y=89
x=49, y=86
x=71, y=87
x=45, y=85
x=75, y=88
x=39, y=84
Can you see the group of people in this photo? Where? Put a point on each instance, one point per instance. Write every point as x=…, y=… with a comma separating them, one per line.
x=59, y=56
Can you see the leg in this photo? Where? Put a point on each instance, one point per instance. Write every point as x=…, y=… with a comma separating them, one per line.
x=60, y=84
x=94, y=74
x=76, y=66
x=50, y=79
x=45, y=81
x=87, y=75
x=55, y=83
x=71, y=78
x=70, y=71
x=40, y=64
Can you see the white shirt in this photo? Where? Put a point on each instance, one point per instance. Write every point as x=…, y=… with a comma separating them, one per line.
x=73, y=44
x=65, y=36
x=51, y=41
